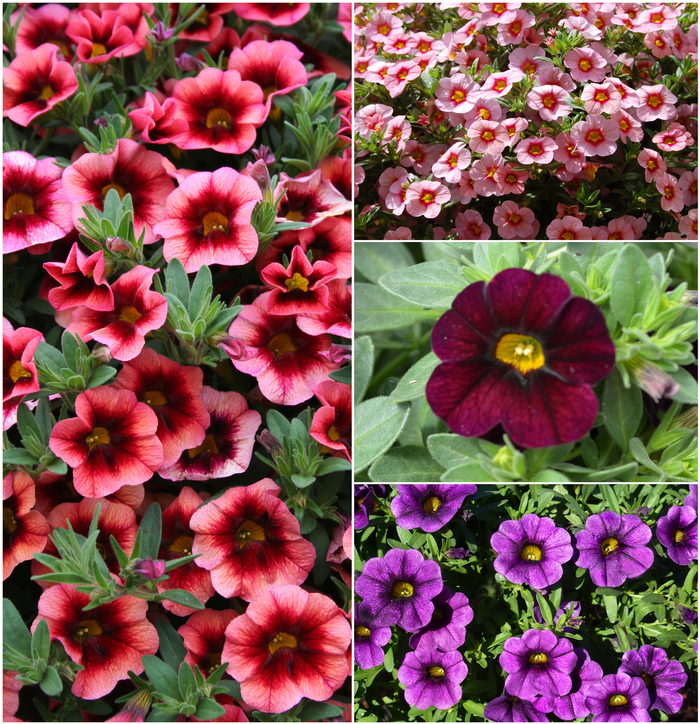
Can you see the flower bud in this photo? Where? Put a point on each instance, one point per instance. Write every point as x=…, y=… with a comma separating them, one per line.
x=338, y=353
x=187, y=63
x=270, y=443
x=652, y=379
x=160, y=33
x=102, y=354
x=234, y=347
x=148, y=568
x=259, y=173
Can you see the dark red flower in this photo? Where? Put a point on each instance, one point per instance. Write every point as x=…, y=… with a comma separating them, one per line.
x=338, y=171
x=157, y=123
x=204, y=638
x=273, y=13
x=44, y=24
x=332, y=423
x=208, y=24
x=337, y=319
x=522, y=352
x=101, y=37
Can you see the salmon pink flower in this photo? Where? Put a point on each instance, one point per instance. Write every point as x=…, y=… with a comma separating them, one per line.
x=277, y=14
x=204, y=638
x=483, y=173
x=10, y=694
x=630, y=127
x=336, y=320
x=514, y=222
x=487, y=137
x=111, y=442
x=658, y=17
x=655, y=101
x=535, y=150
x=513, y=126
x=688, y=225
x=222, y=110
x=568, y=152
x=207, y=220
x=456, y=94
x=137, y=311
x=19, y=376
x=35, y=82
x=45, y=24
x=688, y=184
x=332, y=423
x=671, y=196
x=586, y=65
x=288, y=644
x=309, y=198
x=653, y=164
x=130, y=169
x=674, y=138
x=35, y=208
x=568, y=228
x=25, y=530
x=250, y=541
x=486, y=109
x=397, y=129
x=101, y=37
x=549, y=101
x=620, y=229
x=425, y=198
x=107, y=641
x=228, y=441
x=550, y=75
x=451, y=164
x=510, y=179
x=157, y=123
x=498, y=85
x=601, y=98
x=528, y=61
x=497, y=13
x=399, y=75
x=660, y=45
x=511, y=32
x=596, y=136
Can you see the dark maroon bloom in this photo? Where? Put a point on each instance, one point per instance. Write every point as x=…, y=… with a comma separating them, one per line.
x=678, y=532
x=663, y=678
x=523, y=352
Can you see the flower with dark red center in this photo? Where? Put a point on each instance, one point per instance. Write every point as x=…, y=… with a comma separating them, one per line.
x=663, y=678
x=137, y=311
x=112, y=441
x=207, y=25
x=24, y=531
x=107, y=641
x=207, y=220
x=176, y=542
x=35, y=82
x=522, y=352
x=300, y=288
x=82, y=281
x=337, y=319
x=250, y=541
x=101, y=37
x=173, y=393
x=288, y=644
x=332, y=423
x=35, y=210
x=228, y=440
x=18, y=369
x=44, y=24
x=273, y=13
x=204, y=638
x=309, y=198
x=678, y=533
x=10, y=695
x=130, y=169
x=222, y=110
x=157, y=123
x=338, y=171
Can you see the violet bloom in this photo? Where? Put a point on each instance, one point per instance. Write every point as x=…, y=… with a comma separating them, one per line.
x=692, y=498
x=512, y=708
x=678, y=533
x=562, y=610
x=363, y=506
x=399, y=588
x=531, y=550
x=447, y=627
x=433, y=678
x=369, y=638
x=614, y=548
x=663, y=678
x=538, y=663
x=428, y=506
x=618, y=697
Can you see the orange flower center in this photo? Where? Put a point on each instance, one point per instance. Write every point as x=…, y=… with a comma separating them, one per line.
x=283, y=641
x=8, y=520
x=514, y=219
x=19, y=204
x=402, y=74
x=515, y=28
x=106, y=189
x=361, y=67
x=511, y=179
x=655, y=101
x=567, y=235
x=669, y=140
x=209, y=445
x=500, y=84
x=528, y=67
x=249, y=531
x=155, y=398
x=657, y=18
x=333, y=433
x=130, y=314
x=101, y=550
x=87, y=628
x=182, y=545
x=548, y=101
x=17, y=371
x=214, y=221
x=518, y=350
x=297, y=282
x=218, y=117
x=281, y=344
x=432, y=504
x=535, y=150
x=99, y=436
x=424, y=46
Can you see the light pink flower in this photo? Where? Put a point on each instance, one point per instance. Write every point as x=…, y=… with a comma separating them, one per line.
x=629, y=97
x=486, y=109
x=688, y=225
x=549, y=101
x=456, y=94
x=688, y=185
x=377, y=71
x=403, y=232
x=655, y=101
x=659, y=17
x=659, y=43
x=466, y=187
x=382, y=27
x=397, y=129
x=550, y=75
x=527, y=61
x=510, y=179
x=587, y=29
x=569, y=227
x=396, y=198
x=425, y=198
x=361, y=66
x=483, y=173
x=674, y=138
x=671, y=195
x=470, y=225
x=387, y=179
x=497, y=13
x=513, y=126
x=653, y=164
x=680, y=43
x=424, y=45
x=359, y=177
x=514, y=222
x=596, y=136
x=450, y=44
x=487, y=137
x=421, y=156
x=498, y=85
x=372, y=118
x=568, y=153
x=451, y=164
x=535, y=150
x=398, y=45
x=630, y=127
x=511, y=32
x=620, y=229
x=586, y=65
x=399, y=75
x=601, y=98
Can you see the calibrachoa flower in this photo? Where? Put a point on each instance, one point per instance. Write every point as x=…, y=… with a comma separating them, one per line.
x=514, y=222
x=522, y=352
x=549, y=101
x=336, y=320
x=671, y=196
x=655, y=101
x=451, y=164
x=428, y=507
x=487, y=137
x=204, y=638
x=19, y=377
x=663, y=678
x=309, y=198
x=425, y=198
x=601, y=98
x=157, y=123
x=596, y=136
x=288, y=644
x=535, y=150
x=568, y=228
x=617, y=698
x=332, y=423
x=653, y=164
x=586, y=65
x=531, y=550
x=447, y=628
x=512, y=708
x=678, y=532
x=369, y=638
x=433, y=678
x=614, y=548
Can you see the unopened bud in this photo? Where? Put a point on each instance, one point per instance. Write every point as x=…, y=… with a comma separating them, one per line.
x=148, y=568
x=102, y=354
x=652, y=379
x=187, y=63
x=263, y=153
x=338, y=353
x=270, y=443
x=235, y=347
x=259, y=173
x=160, y=33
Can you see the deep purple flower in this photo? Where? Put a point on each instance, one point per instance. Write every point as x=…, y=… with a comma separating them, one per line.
x=512, y=708
x=662, y=677
x=433, y=678
x=369, y=638
x=689, y=616
x=614, y=548
x=538, y=663
x=428, y=506
x=563, y=609
x=618, y=697
x=692, y=498
x=447, y=627
x=522, y=352
x=363, y=506
x=458, y=553
x=531, y=550
x=678, y=533
x=399, y=588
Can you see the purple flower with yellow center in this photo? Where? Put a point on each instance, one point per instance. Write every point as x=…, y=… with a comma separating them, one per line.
x=447, y=628
x=531, y=550
x=692, y=498
x=513, y=708
x=538, y=663
x=663, y=678
x=614, y=548
x=618, y=697
x=369, y=638
x=429, y=506
x=678, y=533
x=433, y=678
x=363, y=506
x=399, y=588
x=523, y=352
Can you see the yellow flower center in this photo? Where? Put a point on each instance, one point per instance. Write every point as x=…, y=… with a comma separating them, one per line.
x=283, y=641
x=659, y=43
x=499, y=8
x=248, y=532
x=87, y=628
x=383, y=29
x=46, y=94
x=594, y=137
x=514, y=219
x=101, y=550
x=424, y=46
x=218, y=117
x=209, y=445
x=515, y=28
x=17, y=371
x=402, y=74
x=535, y=150
x=214, y=221
x=678, y=535
x=520, y=351
x=654, y=101
x=454, y=160
x=129, y=314
x=540, y=658
x=427, y=198
x=500, y=84
x=624, y=125
x=99, y=436
x=608, y=546
x=214, y=662
x=98, y=49
x=458, y=96
x=281, y=344
x=585, y=65
x=646, y=679
x=334, y=434
x=294, y=215
x=432, y=504
x=548, y=101
x=511, y=179
x=651, y=164
x=268, y=91
x=487, y=136
x=531, y=553
x=669, y=140
x=617, y=700
x=657, y=18
x=567, y=235
x=19, y=204
x=297, y=282
x=155, y=398
x=436, y=672
x=182, y=545
x=601, y=96
x=363, y=632
x=106, y=189
x=484, y=114
x=8, y=520
x=402, y=589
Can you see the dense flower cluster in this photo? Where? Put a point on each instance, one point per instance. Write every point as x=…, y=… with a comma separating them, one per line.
x=461, y=104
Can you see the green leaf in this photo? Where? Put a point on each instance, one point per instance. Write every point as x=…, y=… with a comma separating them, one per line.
x=28, y=426
x=50, y=357
x=320, y=540
x=278, y=424
x=569, y=266
x=176, y=281
x=316, y=711
x=303, y=481
x=467, y=472
x=610, y=608
x=431, y=284
x=407, y=464
x=201, y=292
x=375, y=260
x=233, y=688
x=16, y=635
x=622, y=409
x=71, y=350
x=363, y=366
x=184, y=598
x=549, y=476
x=343, y=375
x=44, y=419
x=688, y=391
x=378, y=423
x=101, y=376
x=185, y=680
x=19, y=456
x=171, y=647
x=151, y=531
x=51, y=684
x=545, y=610
x=119, y=552
x=161, y=676
x=413, y=383
x=488, y=253
x=209, y=710
x=611, y=497
x=632, y=282
x=450, y=450
x=332, y=465
x=377, y=309
x=589, y=252
x=41, y=641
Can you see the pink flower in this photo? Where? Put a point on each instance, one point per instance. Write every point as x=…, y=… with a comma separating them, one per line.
x=514, y=222
x=421, y=156
x=568, y=228
x=659, y=17
x=156, y=122
x=425, y=198
x=104, y=36
x=688, y=184
x=568, y=152
x=513, y=126
x=658, y=43
x=587, y=29
x=535, y=150
x=688, y=225
x=511, y=32
x=456, y=94
x=630, y=127
x=397, y=129
x=586, y=65
x=487, y=137
x=549, y=101
x=470, y=225
x=674, y=138
x=511, y=180
x=630, y=99
x=655, y=101
x=402, y=232
x=399, y=75
x=526, y=61
x=486, y=109
x=499, y=84
x=451, y=164
x=372, y=118
x=382, y=27
x=497, y=13
x=601, y=98
x=551, y=75
x=620, y=229
x=653, y=164
x=596, y=136
x=671, y=195
x=483, y=172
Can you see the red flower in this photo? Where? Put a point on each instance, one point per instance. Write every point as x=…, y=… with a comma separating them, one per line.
x=203, y=636
x=207, y=220
x=288, y=644
x=157, y=123
x=101, y=37
x=222, y=111
x=249, y=540
x=130, y=169
x=24, y=531
x=82, y=282
x=44, y=24
x=273, y=13
x=332, y=423
x=18, y=369
x=107, y=641
x=337, y=319
x=137, y=311
x=228, y=443
x=309, y=199
x=115, y=520
x=176, y=542
x=208, y=24
x=286, y=361
x=173, y=393
x=338, y=171
x=10, y=695
x=301, y=287
x=111, y=443
x=35, y=82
